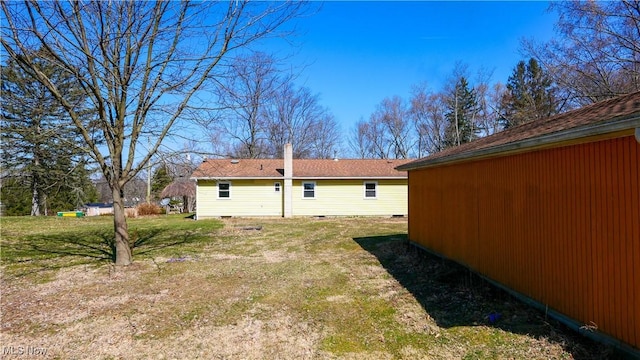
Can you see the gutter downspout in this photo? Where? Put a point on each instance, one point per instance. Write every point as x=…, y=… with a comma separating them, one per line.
x=288, y=181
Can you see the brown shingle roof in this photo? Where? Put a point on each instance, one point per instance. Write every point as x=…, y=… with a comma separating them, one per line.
x=302, y=168
x=245, y=168
x=609, y=116
x=348, y=168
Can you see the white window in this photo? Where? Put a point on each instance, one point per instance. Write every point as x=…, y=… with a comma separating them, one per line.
x=370, y=190
x=224, y=190
x=276, y=187
x=309, y=190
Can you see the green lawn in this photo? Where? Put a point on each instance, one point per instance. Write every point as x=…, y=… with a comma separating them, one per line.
x=296, y=289
x=39, y=244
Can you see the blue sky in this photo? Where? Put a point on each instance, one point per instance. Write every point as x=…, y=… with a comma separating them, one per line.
x=358, y=53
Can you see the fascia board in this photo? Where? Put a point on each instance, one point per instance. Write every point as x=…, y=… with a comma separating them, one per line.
x=621, y=126
x=228, y=178
x=303, y=178
x=349, y=177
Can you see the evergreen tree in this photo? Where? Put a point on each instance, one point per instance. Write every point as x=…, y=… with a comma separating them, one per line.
x=462, y=109
x=39, y=147
x=77, y=188
x=530, y=95
x=159, y=181
x=16, y=196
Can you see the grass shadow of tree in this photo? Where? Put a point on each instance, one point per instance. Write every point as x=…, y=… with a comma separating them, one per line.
x=454, y=296
x=151, y=241
x=37, y=253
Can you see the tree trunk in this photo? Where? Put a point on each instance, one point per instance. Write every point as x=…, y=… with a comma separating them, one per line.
x=456, y=117
x=35, y=200
x=35, y=185
x=122, y=248
x=45, y=205
x=191, y=201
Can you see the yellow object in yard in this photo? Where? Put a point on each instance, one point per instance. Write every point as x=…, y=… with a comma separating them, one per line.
x=71, y=214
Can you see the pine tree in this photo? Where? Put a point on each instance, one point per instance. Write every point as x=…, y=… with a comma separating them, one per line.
x=530, y=95
x=16, y=196
x=462, y=107
x=159, y=181
x=39, y=147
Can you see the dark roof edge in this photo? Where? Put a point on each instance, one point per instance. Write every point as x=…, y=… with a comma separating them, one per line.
x=224, y=178
x=355, y=177
x=628, y=122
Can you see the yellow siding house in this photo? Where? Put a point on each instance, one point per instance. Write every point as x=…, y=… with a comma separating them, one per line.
x=300, y=187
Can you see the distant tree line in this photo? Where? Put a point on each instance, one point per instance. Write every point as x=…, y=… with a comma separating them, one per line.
x=431, y=121
x=593, y=58
x=67, y=116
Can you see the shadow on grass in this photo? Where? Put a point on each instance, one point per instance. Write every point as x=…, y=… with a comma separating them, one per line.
x=33, y=254
x=454, y=296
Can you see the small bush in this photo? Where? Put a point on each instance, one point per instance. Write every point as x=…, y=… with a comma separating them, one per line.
x=149, y=209
x=131, y=212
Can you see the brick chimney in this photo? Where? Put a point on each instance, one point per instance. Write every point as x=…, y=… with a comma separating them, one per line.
x=288, y=180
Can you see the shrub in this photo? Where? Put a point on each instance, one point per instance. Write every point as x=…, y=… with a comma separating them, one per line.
x=131, y=212
x=149, y=209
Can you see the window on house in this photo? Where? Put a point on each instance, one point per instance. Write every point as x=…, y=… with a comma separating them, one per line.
x=276, y=186
x=224, y=190
x=309, y=190
x=370, y=190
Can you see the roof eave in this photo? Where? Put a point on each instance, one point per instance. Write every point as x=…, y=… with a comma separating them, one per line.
x=225, y=178
x=620, y=127
x=301, y=178
x=349, y=177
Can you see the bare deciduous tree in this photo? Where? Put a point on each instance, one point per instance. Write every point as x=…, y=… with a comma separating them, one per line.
x=394, y=116
x=490, y=101
x=140, y=64
x=262, y=110
x=428, y=113
x=295, y=116
x=490, y=111
x=326, y=142
x=369, y=139
x=597, y=53
x=359, y=140
x=387, y=134
x=243, y=94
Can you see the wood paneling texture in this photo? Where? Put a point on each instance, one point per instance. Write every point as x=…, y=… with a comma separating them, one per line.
x=561, y=226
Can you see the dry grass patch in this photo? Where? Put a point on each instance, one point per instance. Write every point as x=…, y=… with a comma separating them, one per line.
x=346, y=288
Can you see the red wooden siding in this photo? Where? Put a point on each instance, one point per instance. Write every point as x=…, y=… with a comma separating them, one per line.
x=561, y=226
